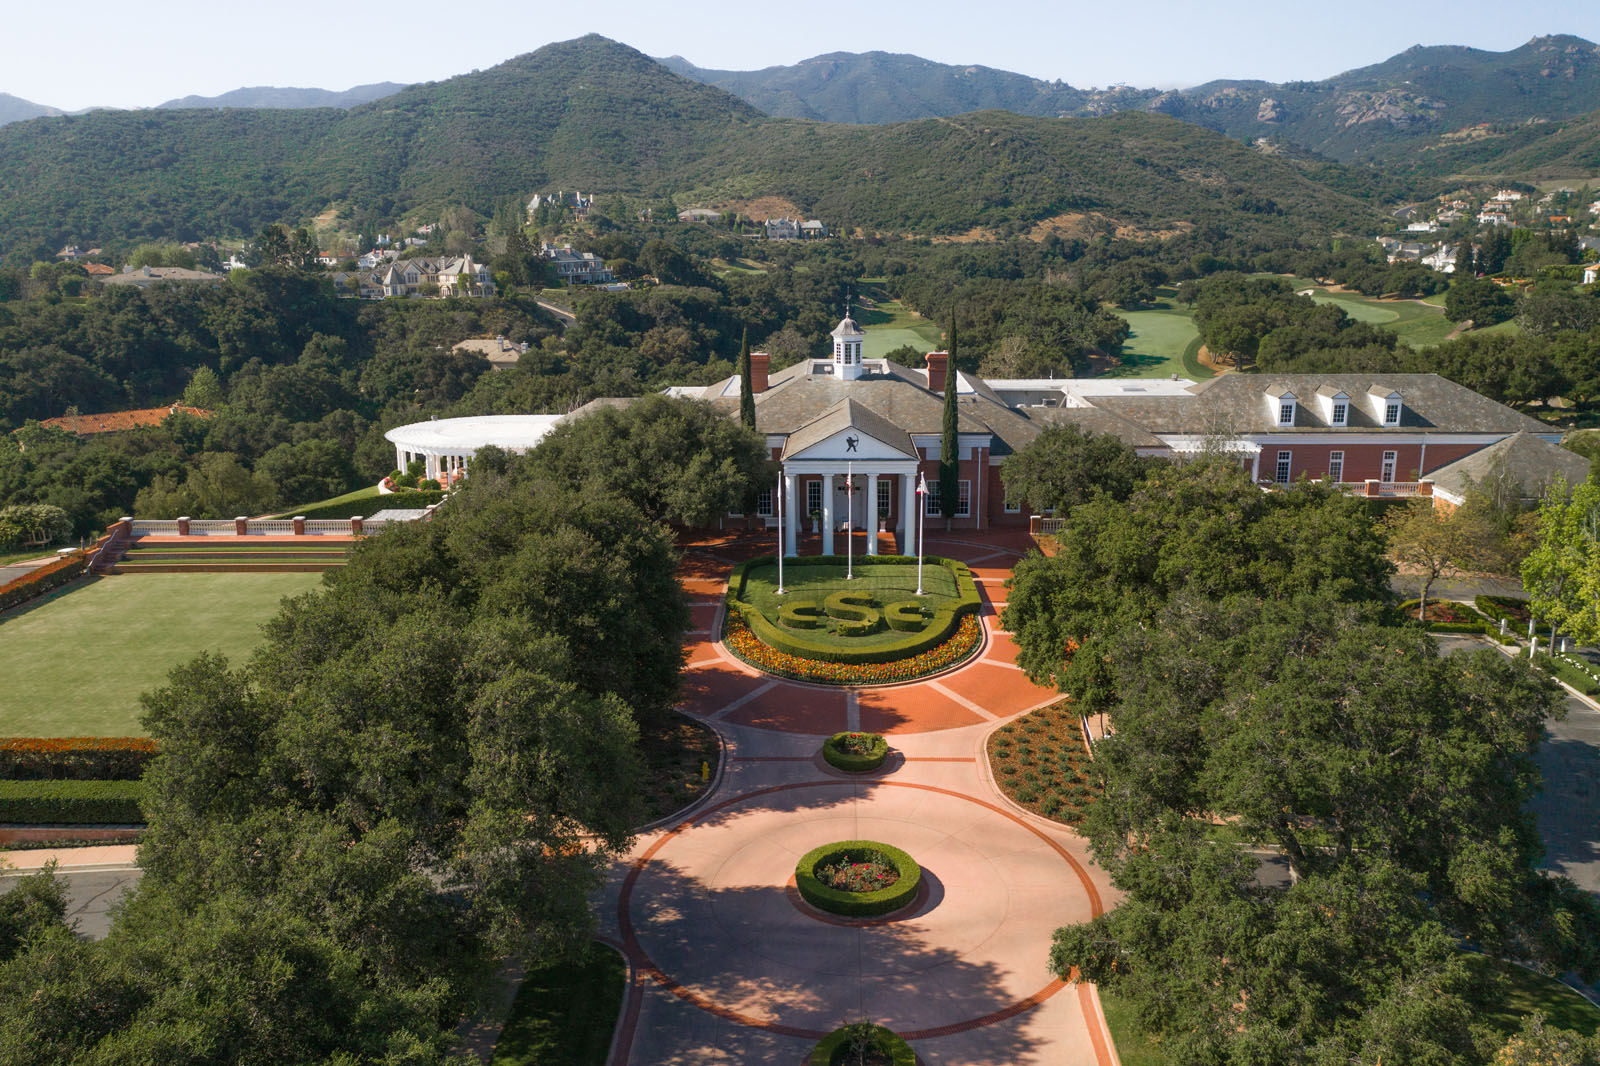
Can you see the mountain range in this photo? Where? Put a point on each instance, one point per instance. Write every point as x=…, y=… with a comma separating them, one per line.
x=1381, y=111
x=16, y=109
x=597, y=115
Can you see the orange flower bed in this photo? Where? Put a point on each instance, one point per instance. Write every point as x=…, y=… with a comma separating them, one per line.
x=74, y=758
x=961, y=645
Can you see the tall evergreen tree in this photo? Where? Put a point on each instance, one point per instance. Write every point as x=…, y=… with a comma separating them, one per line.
x=747, y=396
x=949, y=439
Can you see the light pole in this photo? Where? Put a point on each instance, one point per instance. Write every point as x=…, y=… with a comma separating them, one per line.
x=922, y=491
x=783, y=532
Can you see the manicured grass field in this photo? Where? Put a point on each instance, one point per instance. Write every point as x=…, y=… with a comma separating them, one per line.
x=1419, y=323
x=884, y=583
x=1165, y=341
x=368, y=493
x=564, y=1015
x=1134, y=1048
x=1509, y=993
x=889, y=324
x=75, y=663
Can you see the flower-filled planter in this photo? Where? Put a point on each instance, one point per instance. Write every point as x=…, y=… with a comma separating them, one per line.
x=857, y=878
x=855, y=752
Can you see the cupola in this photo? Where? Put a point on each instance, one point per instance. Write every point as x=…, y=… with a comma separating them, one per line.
x=847, y=341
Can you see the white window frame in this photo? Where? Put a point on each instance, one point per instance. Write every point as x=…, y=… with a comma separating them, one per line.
x=1336, y=463
x=1386, y=471
x=964, y=499
x=885, y=496
x=1006, y=505
x=1341, y=414
x=813, y=496
x=1391, y=413
x=1283, y=469
x=930, y=501
x=764, y=503
x=1286, y=412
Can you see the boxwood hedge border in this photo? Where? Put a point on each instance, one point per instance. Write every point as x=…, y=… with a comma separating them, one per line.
x=71, y=802
x=941, y=628
x=888, y=1040
x=857, y=904
x=850, y=763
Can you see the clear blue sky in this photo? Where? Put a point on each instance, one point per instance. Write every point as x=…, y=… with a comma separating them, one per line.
x=135, y=55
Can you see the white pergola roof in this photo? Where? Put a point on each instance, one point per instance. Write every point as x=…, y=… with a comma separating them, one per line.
x=464, y=436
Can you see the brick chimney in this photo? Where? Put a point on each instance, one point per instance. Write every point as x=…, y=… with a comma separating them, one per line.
x=760, y=363
x=938, y=364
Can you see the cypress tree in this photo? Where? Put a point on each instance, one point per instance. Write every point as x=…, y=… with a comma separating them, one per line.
x=747, y=396
x=949, y=440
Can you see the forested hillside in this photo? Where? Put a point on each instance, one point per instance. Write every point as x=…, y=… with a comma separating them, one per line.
x=600, y=116
x=1382, y=111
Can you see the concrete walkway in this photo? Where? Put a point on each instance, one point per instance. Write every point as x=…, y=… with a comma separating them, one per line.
x=729, y=966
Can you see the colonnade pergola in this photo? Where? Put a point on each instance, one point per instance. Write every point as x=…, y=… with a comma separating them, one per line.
x=850, y=512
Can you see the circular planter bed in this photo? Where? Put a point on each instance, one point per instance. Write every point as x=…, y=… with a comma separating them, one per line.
x=857, y=878
x=855, y=753
x=842, y=1047
x=745, y=646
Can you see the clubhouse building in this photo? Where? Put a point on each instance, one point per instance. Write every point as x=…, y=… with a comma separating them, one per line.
x=852, y=435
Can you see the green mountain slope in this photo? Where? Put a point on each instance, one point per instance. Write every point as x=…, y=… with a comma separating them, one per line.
x=881, y=87
x=274, y=96
x=596, y=115
x=1381, y=111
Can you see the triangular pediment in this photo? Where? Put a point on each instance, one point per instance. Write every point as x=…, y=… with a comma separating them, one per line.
x=846, y=431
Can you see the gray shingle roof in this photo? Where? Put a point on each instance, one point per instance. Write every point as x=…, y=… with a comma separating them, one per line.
x=848, y=414
x=1237, y=403
x=803, y=399
x=1528, y=461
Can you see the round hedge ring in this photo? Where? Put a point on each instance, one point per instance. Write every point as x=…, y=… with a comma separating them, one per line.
x=855, y=753
x=808, y=874
x=839, y=1046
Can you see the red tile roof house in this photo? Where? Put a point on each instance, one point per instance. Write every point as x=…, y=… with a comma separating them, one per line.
x=824, y=419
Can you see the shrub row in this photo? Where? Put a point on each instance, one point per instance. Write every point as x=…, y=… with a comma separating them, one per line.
x=1515, y=611
x=1574, y=675
x=856, y=904
x=940, y=628
x=851, y=762
x=71, y=802
x=837, y=1048
x=1474, y=623
x=40, y=580
x=744, y=645
x=75, y=758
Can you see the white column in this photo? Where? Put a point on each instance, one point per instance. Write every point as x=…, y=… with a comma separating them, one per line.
x=872, y=506
x=827, y=514
x=790, y=522
x=908, y=513
x=399, y=458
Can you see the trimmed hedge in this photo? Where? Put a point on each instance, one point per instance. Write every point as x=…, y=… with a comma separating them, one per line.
x=71, y=802
x=942, y=626
x=906, y=616
x=75, y=758
x=834, y=1049
x=850, y=762
x=42, y=579
x=856, y=904
x=1515, y=611
x=1578, y=678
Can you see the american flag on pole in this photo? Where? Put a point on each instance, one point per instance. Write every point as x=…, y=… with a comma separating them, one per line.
x=922, y=484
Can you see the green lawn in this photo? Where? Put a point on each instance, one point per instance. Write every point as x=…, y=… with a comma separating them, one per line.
x=889, y=324
x=884, y=583
x=1510, y=993
x=564, y=1015
x=1419, y=323
x=368, y=493
x=1134, y=1048
x=1164, y=341
x=74, y=663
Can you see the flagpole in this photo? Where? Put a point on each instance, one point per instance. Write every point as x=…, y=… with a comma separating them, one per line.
x=783, y=532
x=850, y=521
x=922, y=488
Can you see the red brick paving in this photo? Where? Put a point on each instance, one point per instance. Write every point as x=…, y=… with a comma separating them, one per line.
x=999, y=689
x=794, y=709
x=707, y=691
x=702, y=616
x=911, y=709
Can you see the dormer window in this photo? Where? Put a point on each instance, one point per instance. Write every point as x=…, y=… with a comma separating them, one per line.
x=1387, y=406
x=1391, y=413
x=1286, y=413
x=1282, y=407
x=1341, y=413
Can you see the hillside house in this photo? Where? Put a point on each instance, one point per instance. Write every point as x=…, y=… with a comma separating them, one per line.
x=582, y=268
x=454, y=275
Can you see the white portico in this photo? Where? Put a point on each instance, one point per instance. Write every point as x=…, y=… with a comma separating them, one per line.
x=848, y=443
x=445, y=445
